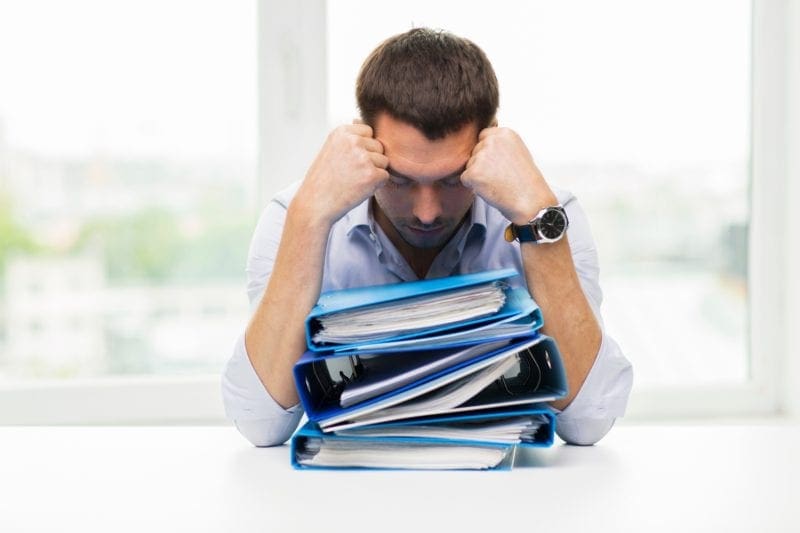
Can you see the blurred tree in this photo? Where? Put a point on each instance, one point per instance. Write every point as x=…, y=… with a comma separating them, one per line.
x=13, y=237
x=151, y=245
x=137, y=247
x=219, y=251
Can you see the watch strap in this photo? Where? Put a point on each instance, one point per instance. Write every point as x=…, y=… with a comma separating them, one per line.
x=523, y=233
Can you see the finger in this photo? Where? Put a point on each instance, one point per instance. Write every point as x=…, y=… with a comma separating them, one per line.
x=382, y=176
x=487, y=132
x=372, y=145
x=358, y=121
x=379, y=160
x=466, y=176
x=475, y=151
x=360, y=129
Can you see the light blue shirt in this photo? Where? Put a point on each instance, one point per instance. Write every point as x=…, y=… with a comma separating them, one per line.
x=359, y=253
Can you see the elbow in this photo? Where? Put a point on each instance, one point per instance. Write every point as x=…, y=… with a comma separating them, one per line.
x=584, y=432
x=258, y=434
x=259, y=419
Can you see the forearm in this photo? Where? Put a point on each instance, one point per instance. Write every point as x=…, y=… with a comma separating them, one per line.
x=568, y=317
x=275, y=337
x=347, y=170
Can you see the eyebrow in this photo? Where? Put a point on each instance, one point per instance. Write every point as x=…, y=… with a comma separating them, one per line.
x=455, y=174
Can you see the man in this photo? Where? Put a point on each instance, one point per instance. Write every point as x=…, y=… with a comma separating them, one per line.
x=424, y=185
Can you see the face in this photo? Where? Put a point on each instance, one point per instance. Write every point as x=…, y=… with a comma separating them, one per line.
x=423, y=203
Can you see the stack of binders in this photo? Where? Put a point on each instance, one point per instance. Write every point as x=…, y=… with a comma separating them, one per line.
x=449, y=373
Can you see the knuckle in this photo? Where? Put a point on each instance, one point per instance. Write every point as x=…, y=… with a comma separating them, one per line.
x=354, y=141
x=380, y=175
x=338, y=133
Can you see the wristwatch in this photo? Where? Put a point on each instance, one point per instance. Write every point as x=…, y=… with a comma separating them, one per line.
x=549, y=225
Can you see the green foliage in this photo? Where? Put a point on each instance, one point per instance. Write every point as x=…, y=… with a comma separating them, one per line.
x=154, y=245
x=13, y=237
x=142, y=246
x=150, y=246
x=218, y=252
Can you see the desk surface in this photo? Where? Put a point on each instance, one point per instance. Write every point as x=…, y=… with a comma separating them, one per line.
x=639, y=478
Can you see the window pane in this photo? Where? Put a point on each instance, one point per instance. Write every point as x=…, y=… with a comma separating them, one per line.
x=642, y=109
x=127, y=177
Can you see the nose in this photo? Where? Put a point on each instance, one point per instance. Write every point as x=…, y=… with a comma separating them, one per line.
x=427, y=204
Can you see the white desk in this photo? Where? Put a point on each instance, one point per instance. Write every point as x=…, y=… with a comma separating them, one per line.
x=640, y=478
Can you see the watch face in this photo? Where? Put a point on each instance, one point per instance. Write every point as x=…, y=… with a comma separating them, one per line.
x=552, y=224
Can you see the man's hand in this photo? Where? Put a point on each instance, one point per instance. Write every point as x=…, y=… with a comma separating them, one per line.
x=502, y=172
x=347, y=170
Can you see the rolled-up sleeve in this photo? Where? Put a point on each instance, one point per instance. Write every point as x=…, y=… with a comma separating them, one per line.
x=602, y=398
x=248, y=404
x=604, y=394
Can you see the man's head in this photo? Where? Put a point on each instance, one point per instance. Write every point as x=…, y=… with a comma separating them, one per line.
x=427, y=94
x=432, y=80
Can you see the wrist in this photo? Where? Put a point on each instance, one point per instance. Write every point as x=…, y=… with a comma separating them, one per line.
x=530, y=205
x=308, y=214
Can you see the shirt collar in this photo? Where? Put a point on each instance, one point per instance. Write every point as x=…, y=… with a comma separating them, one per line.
x=360, y=217
x=478, y=213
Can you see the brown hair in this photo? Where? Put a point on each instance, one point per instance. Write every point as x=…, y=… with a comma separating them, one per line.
x=431, y=79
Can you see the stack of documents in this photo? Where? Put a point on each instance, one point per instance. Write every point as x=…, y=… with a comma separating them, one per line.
x=385, y=453
x=436, y=374
x=411, y=315
x=440, y=312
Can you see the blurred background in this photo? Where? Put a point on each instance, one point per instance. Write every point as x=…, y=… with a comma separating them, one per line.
x=140, y=140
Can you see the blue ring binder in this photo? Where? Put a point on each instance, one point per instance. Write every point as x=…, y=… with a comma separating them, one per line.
x=364, y=398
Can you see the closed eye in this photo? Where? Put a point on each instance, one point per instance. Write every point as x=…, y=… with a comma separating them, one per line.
x=452, y=181
x=399, y=181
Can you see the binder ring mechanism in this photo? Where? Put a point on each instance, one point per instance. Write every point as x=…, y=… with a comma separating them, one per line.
x=529, y=370
x=332, y=390
x=520, y=383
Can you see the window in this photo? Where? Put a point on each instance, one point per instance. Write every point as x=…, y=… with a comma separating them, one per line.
x=635, y=109
x=127, y=186
x=124, y=164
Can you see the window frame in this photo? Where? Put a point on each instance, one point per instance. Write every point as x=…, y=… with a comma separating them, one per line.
x=772, y=295
x=292, y=36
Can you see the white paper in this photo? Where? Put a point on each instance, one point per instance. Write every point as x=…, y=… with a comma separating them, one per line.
x=415, y=392
x=442, y=399
x=507, y=327
x=510, y=430
x=410, y=315
x=435, y=456
x=358, y=391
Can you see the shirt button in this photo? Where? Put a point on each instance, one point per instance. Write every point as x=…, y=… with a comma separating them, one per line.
x=372, y=237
